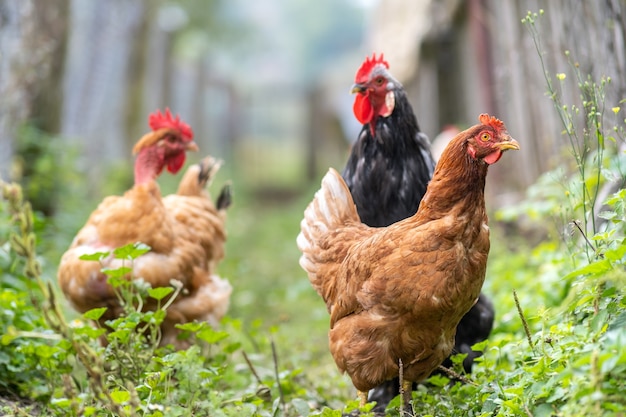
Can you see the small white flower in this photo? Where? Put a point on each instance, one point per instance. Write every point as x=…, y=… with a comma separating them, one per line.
x=76, y=323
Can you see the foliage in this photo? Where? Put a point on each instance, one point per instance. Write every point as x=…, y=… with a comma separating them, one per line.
x=48, y=170
x=233, y=370
x=21, y=358
x=112, y=374
x=572, y=361
x=37, y=166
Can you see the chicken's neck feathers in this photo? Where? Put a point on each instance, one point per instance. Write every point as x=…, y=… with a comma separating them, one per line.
x=148, y=165
x=458, y=185
x=394, y=131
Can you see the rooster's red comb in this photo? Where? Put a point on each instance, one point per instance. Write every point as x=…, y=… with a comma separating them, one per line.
x=366, y=67
x=158, y=120
x=492, y=121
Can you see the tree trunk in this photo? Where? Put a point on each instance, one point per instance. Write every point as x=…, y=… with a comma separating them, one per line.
x=32, y=36
x=97, y=78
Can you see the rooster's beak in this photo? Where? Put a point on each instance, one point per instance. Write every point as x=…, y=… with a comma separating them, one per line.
x=508, y=143
x=358, y=88
x=192, y=147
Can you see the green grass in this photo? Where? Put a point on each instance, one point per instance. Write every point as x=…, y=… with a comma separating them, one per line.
x=273, y=308
x=270, y=288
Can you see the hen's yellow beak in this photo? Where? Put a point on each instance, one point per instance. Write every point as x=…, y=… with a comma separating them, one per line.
x=510, y=143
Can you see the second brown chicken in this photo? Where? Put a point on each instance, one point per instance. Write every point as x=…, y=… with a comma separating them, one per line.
x=185, y=231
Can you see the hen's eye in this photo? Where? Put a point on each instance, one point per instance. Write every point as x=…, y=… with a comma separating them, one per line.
x=485, y=137
x=379, y=81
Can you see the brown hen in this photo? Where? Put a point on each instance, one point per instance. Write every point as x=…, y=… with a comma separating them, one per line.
x=396, y=294
x=185, y=232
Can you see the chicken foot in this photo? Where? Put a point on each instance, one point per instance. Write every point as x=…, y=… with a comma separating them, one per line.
x=406, y=389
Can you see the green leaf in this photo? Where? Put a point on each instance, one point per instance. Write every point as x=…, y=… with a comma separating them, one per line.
x=61, y=402
x=192, y=326
x=7, y=338
x=232, y=347
x=117, y=272
x=160, y=292
x=616, y=198
x=120, y=397
x=327, y=412
x=46, y=352
x=616, y=254
x=153, y=379
x=301, y=406
x=543, y=410
x=595, y=268
x=89, y=411
x=480, y=346
x=159, y=316
x=458, y=358
x=439, y=380
x=131, y=251
x=98, y=256
x=123, y=335
x=607, y=215
x=95, y=313
x=90, y=332
x=211, y=336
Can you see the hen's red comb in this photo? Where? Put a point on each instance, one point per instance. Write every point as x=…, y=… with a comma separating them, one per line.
x=363, y=73
x=157, y=121
x=492, y=121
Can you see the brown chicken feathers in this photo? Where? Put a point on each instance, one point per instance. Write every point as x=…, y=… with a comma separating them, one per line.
x=398, y=292
x=185, y=232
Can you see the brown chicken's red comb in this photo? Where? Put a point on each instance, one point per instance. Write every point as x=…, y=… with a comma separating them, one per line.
x=492, y=121
x=158, y=120
x=363, y=73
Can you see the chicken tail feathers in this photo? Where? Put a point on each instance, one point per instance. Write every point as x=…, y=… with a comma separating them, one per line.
x=199, y=176
x=331, y=208
x=225, y=199
x=208, y=168
x=332, y=205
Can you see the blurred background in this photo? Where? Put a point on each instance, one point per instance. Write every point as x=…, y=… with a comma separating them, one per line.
x=265, y=86
x=267, y=83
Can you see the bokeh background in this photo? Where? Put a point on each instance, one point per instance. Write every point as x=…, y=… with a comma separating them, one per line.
x=268, y=82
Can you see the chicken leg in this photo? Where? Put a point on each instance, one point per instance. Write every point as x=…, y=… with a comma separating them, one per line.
x=362, y=398
x=407, y=390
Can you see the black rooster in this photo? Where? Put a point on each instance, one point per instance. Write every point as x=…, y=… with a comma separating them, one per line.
x=387, y=172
